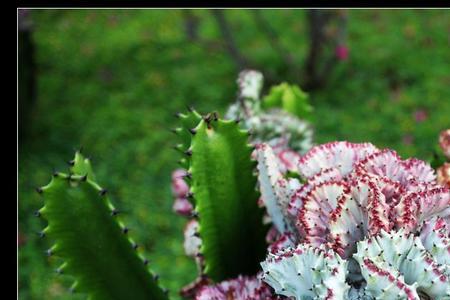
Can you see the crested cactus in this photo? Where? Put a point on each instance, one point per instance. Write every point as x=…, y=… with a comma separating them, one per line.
x=348, y=221
x=91, y=240
x=386, y=217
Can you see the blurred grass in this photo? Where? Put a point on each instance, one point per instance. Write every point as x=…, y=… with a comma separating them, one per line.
x=111, y=80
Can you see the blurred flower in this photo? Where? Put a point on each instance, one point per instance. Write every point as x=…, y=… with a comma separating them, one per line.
x=443, y=174
x=444, y=142
x=420, y=115
x=408, y=139
x=342, y=52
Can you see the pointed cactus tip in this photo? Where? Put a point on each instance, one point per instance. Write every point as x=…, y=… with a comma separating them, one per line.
x=192, y=131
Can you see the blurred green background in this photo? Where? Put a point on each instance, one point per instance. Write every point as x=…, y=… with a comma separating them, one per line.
x=111, y=80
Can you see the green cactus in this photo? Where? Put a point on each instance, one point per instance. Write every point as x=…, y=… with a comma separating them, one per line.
x=223, y=186
x=188, y=121
x=92, y=242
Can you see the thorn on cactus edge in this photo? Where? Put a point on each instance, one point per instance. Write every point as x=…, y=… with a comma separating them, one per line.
x=192, y=130
x=37, y=213
x=188, y=175
x=194, y=214
x=49, y=252
x=188, y=152
x=71, y=163
x=59, y=271
x=177, y=115
x=103, y=192
x=55, y=173
x=135, y=246
x=190, y=108
x=237, y=121
x=174, y=130
x=165, y=291
x=155, y=277
x=146, y=261
x=41, y=234
x=125, y=230
x=39, y=190
x=114, y=212
x=83, y=178
x=190, y=195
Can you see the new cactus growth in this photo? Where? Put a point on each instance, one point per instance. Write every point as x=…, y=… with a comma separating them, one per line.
x=91, y=240
x=275, y=119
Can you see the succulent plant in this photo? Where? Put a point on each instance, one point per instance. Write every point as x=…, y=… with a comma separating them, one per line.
x=92, y=241
x=278, y=118
x=443, y=171
x=383, y=216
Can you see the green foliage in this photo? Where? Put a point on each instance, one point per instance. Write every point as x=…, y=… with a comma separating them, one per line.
x=223, y=184
x=110, y=80
x=290, y=98
x=94, y=246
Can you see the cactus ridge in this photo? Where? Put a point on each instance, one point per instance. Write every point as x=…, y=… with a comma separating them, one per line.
x=223, y=185
x=91, y=239
x=186, y=128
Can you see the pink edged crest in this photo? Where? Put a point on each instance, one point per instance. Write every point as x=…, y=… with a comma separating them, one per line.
x=296, y=202
x=241, y=288
x=416, y=207
x=318, y=204
x=192, y=241
x=179, y=186
x=444, y=142
x=183, y=207
x=340, y=155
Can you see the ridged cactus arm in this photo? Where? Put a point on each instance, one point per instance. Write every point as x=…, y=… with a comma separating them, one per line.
x=224, y=188
x=306, y=272
x=94, y=245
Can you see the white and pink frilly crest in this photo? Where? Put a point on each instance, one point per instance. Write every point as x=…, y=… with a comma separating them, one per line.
x=347, y=196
